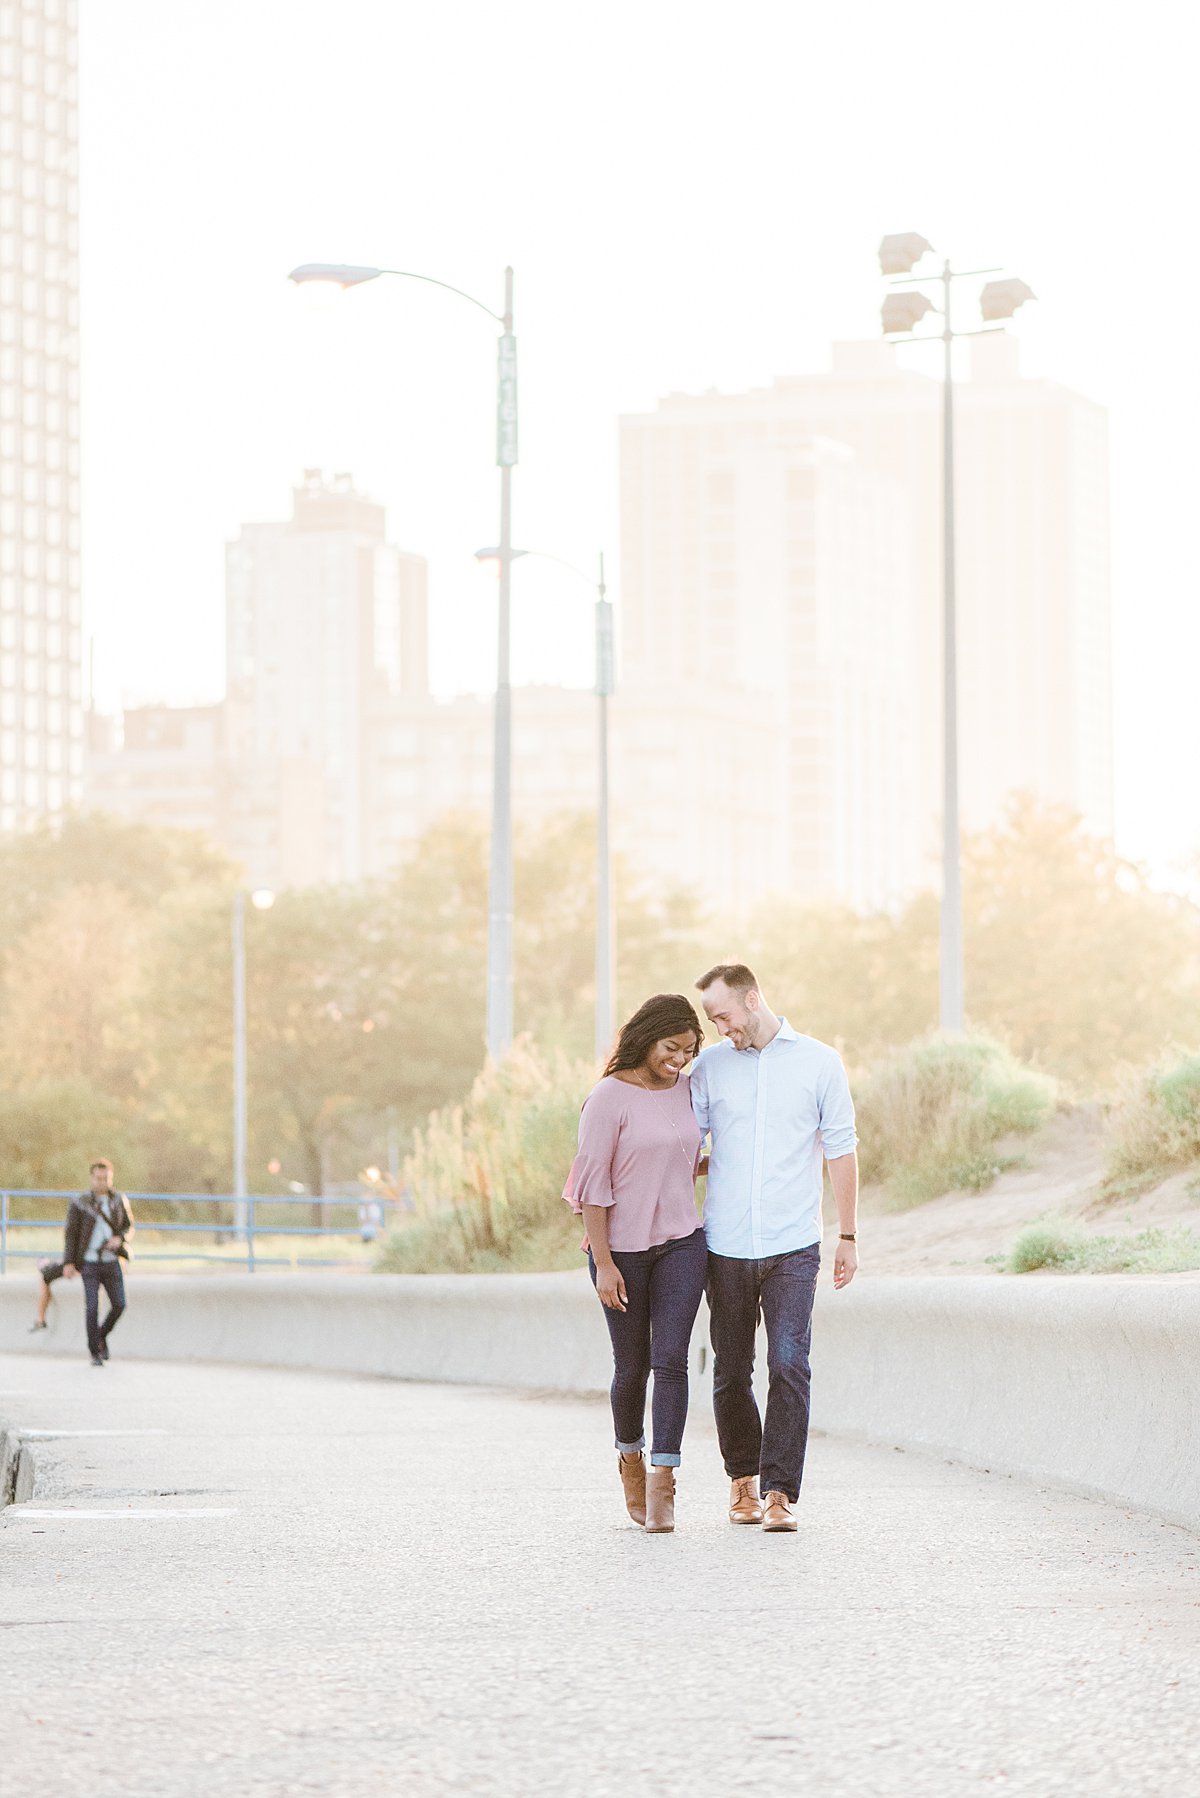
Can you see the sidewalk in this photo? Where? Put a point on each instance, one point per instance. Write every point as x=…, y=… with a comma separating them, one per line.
x=365, y=1588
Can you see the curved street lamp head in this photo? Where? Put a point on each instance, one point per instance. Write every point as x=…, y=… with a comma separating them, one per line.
x=341, y=274
x=492, y=554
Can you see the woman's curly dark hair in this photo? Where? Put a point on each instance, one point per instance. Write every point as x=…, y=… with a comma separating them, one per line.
x=663, y=1015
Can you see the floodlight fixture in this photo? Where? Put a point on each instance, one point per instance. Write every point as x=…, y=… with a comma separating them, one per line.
x=901, y=312
x=899, y=254
x=1000, y=299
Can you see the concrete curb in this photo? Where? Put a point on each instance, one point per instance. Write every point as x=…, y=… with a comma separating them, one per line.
x=1084, y=1383
x=18, y=1469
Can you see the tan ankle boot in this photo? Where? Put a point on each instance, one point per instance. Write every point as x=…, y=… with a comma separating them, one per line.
x=633, y=1478
x=660, y=1501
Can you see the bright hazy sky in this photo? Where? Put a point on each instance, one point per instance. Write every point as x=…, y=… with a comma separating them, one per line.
x=691, y=195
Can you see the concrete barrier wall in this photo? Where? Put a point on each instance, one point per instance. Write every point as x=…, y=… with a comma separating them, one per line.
x=1087, y=1382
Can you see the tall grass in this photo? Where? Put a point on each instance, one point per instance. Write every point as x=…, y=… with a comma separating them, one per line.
x=1152, y=1251
x=487, y=1176
x=931, y=1116
x=1154, y=1127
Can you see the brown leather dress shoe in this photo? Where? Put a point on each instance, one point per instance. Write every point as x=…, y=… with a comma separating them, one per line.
x=777, y=1512
x=633, y=1478
x=744, y=1503
x=660, y=1501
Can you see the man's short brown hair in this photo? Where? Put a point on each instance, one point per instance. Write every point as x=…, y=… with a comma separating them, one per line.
x=105, y=1167
x=736, y=975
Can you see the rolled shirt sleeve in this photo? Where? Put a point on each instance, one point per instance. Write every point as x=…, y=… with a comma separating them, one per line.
x=698, y=1084
x=590, y=1179
x=838, y=1134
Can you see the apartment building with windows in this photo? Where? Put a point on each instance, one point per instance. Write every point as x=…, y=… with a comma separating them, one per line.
x=781, y=569
x=41, y=701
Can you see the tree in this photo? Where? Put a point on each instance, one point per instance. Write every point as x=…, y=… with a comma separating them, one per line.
x=1072, y=957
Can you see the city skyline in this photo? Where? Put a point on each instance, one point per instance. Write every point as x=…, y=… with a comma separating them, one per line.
x=770, y=256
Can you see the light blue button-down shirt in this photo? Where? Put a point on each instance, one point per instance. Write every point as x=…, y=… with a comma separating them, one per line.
x=773, y=1114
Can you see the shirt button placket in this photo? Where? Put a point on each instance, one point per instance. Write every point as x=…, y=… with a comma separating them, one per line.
x=756, y=1242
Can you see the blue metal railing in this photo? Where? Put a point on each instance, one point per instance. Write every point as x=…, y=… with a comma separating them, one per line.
x=213, y=1227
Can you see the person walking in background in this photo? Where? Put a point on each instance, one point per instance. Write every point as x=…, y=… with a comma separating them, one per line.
x=48, y=1273
x=99, y=1224
x=634, y=1182
x=777, y=1106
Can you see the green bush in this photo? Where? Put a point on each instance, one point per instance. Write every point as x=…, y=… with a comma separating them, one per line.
x=931, y=1116
x=1152, y=1251
x=487, y=1176
x=1041, y=1245
x=1154, y=1126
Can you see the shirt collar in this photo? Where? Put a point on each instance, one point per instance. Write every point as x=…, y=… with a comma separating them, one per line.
x=784, y=1034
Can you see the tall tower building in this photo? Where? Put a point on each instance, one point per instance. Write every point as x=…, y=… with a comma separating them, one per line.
x=769, y=611
x=760, y=571
x=324, y=621
x=41, y=710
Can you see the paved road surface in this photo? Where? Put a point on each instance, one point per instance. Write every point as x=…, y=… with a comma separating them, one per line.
x=428, y=1590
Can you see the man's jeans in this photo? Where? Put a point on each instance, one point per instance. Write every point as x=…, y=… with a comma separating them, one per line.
x=663, y=1288
x=780, y=1288
x=95, y=1275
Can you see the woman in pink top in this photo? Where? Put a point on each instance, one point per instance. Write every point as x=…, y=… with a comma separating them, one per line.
x=634, y=1181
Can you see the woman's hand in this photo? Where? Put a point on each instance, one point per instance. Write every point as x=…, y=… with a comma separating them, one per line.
x=702, y=1167
x=610, y=1285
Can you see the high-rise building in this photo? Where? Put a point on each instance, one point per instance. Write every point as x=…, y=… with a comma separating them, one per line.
x=769, y=610
x=782, y=568
x=41, y=710
x=166, y=766
x=325, y=622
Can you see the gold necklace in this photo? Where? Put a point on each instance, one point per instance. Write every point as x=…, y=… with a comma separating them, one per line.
x=690, y=1159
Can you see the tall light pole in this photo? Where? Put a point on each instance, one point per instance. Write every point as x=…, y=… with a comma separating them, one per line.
x=903, y=308
x=500, y=879
x=262, y=900
x=604, y=687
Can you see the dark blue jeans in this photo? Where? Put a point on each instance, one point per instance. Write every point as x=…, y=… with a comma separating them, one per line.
x=95, y=1275
x=780, y=1289
x=663, y=1288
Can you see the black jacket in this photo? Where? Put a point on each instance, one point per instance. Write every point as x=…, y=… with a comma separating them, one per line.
x=81, y=1219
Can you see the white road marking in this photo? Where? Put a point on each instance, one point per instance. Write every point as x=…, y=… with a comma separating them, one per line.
x=70, y=1516
x=55, y=1435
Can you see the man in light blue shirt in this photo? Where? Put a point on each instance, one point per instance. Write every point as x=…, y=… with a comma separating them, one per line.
x=778, y=1108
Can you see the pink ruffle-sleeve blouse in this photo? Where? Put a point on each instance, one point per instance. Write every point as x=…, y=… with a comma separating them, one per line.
x=638, y=1155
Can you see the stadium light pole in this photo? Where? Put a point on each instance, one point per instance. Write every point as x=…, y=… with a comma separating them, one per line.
x=262, y=900
x=500, y=877
x=604, y=687
x=903, y=309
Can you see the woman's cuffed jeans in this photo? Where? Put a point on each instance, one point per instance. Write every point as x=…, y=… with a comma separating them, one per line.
x=663, y=1288
x=781, y=1288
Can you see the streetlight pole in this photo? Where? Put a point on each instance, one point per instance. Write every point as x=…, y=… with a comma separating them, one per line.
x=606, y=998
x=950, y=949
x=903, y=308
x=239, y=1063
x=500, y=875
x=262, y=900
x=604, y=686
